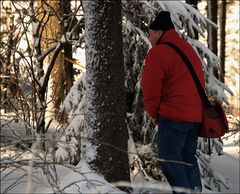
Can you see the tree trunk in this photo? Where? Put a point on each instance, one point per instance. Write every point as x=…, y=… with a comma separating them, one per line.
x=222, y=38
x=68, y=66
x=212, y=32
x=62, y=73
x=212, y=10
x=106, y=109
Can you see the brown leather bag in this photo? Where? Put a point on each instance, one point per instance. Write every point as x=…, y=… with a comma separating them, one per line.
x=214, y=123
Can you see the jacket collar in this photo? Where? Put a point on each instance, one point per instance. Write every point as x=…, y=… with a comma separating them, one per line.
x=169, y=35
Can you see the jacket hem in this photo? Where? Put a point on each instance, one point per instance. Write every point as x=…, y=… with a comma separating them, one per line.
x=192, y=120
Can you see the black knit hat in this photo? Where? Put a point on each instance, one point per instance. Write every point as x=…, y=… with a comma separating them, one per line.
x=162, y=22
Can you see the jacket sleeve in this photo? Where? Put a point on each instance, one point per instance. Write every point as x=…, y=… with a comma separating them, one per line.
x=152, y=79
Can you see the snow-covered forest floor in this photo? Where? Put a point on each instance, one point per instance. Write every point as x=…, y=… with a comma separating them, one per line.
x=30, y=174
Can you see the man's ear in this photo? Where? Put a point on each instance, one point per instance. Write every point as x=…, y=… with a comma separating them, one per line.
x=160, y=37
x=160, y=32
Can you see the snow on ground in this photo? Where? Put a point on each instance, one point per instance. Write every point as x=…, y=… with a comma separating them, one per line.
x=82, y=179
x=228, y=166
x=232, y=145
x=78, y=179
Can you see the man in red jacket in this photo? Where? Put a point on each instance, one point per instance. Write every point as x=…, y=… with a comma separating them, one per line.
x=173, y=102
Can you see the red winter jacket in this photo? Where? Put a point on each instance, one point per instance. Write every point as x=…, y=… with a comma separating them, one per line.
x=167, y=85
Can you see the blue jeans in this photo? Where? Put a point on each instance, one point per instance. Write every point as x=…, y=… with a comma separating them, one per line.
x=177, y=141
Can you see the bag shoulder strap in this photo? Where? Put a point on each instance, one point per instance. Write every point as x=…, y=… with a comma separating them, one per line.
x=193, y=73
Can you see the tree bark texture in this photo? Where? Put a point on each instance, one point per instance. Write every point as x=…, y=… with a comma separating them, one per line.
x=222, y=38
x=212, y=32
x=106, y=109
x=212, y=10
x=62, y=73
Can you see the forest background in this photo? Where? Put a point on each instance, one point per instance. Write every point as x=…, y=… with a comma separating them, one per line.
x=71, y=92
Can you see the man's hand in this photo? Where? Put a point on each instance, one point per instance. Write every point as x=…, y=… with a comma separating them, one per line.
x=154, y=121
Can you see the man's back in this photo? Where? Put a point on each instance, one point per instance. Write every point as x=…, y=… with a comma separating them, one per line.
x=179, y=98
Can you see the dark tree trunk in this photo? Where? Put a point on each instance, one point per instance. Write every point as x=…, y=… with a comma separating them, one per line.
x=212, y=10
x=222, y=38
x=212, y=32
x=106, y=109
